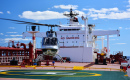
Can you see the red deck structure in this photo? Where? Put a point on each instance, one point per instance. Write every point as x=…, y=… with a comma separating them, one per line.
x=17, y=52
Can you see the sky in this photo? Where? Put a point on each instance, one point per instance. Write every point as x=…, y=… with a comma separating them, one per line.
x=105, y=14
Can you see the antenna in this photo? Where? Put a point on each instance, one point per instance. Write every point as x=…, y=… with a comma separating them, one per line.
x=71, y=13
x=85, y=19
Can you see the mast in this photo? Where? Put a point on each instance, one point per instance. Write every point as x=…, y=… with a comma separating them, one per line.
x=86, y=26
x=73, y=20
x=71, y=14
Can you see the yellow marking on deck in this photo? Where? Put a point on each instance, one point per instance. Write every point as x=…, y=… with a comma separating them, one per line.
x=24, y=78
x=78, y=67
x=3, y=72
x=125, y=75
x=85, y=74
x=97, y=74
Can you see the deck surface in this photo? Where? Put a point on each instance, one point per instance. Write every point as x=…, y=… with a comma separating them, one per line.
x=62, y=75
x=104, y=72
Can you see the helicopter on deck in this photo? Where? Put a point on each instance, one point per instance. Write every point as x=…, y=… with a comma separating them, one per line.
x=50, y=44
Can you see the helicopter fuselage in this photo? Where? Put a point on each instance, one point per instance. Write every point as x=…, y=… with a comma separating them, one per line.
x=50, y=45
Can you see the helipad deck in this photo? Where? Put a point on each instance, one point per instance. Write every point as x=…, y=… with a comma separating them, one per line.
x=63, y=75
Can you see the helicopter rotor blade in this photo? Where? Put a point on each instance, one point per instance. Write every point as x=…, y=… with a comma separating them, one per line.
x=31, y=23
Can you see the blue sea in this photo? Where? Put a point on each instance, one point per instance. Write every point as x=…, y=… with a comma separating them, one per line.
x=128, y=57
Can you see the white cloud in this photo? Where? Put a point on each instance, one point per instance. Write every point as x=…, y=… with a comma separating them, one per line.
x=108, y=13
x=129, y=3
x=102, y=10
x=128, y=9
x=8, y=12
x=12, y=27
x=16, y=39
x=112, y=39
x=95, y=18
x=41, y=15
x=112, y=36
x=120, y=27
x=84, y=9
x=79, y=12
x=6, y=35
x=1, y=34
x=66, y=6
x=120, y=43
x=1, y=12
x=15, y=35
x=127, y=28
x=11, y=32
x=13, y=39
x=46, y=15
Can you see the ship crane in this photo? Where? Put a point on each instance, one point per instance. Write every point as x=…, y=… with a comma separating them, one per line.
x=106, y=33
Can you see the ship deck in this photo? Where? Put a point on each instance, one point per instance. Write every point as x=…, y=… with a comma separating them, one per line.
x=63, y=71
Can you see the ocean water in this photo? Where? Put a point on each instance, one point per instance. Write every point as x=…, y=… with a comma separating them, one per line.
x=128, y=57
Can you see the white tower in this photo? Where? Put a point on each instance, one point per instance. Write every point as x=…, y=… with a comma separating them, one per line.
x=33, y=32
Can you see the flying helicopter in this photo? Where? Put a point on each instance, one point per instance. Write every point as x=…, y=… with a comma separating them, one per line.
x=50, y=44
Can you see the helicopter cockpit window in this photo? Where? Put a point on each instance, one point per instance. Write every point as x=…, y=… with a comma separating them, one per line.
x=50, y=41
x=51, y=34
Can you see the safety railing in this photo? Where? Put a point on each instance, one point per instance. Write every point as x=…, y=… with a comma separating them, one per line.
x=7, y=59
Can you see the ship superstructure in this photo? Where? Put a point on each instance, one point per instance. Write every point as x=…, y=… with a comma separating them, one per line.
x=78, y=41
